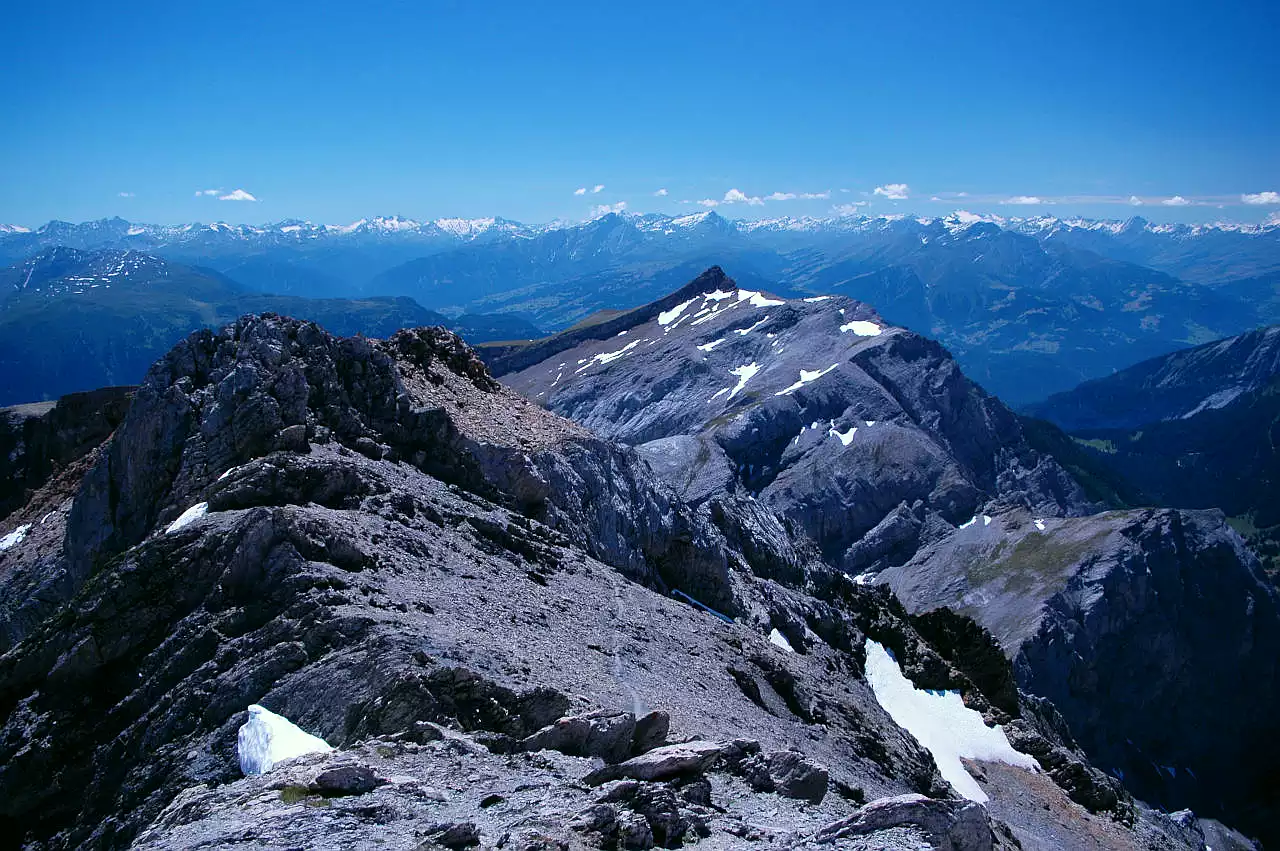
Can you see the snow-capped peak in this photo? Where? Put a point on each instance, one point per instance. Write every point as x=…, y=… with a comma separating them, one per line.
x=465, y=228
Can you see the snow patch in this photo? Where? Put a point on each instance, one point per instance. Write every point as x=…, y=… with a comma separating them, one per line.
x=745, y=331
x=846, y=437
x=267, y=739
x=706, y=347
x=15, y=537
x=716, y=295
x=778, y=639
x=966, y=524
x=1220, y=399
x=806, y=377
x=744, y=373
x=607, y=357
x=816, y=299
x=758, y=299
x=862, y=328
x=1040, y=525
x=666, y=317
x=186, y=518
x=941, y=723
x=986, y=521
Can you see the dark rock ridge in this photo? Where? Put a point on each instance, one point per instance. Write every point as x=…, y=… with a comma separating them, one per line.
x=38, y=441
x=1173, y=386
x=377, y=541
x=865, y=437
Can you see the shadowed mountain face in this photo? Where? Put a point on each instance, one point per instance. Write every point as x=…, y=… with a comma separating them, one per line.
x=73, y=320
x=475, y=601
x=1176, y=386
x=869, y=442
x=1194, y=429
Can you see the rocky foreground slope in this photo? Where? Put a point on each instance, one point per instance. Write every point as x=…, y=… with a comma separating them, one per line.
x=515, y=635
x=1147, y=629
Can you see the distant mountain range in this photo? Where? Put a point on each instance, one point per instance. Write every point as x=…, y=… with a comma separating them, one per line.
x=74, y=320
x=1028, y=306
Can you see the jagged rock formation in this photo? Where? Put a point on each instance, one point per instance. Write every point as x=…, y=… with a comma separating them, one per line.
x=39, y=440
x=436, y=576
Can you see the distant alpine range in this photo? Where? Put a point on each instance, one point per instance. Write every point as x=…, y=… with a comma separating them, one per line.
x=1028, y=306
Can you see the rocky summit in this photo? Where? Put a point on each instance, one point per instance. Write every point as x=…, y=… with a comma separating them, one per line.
x=514, y=631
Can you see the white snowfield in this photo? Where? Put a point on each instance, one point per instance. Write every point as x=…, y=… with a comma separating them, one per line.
x=846, y=437
x=862, y=328
x=267, y=739
x=779, y=640
x=758, y=299
x=806, y=377
x=15, y=537
x=744, y=373
x=666, y=317
x=941, y=723
x=186, y=518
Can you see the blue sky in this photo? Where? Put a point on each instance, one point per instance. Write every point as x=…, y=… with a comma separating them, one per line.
x=331, y=112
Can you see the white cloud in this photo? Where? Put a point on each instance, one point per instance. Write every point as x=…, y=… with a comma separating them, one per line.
x=200, y=192
x=125, y=194
x=709, y=202
x=1135, y=200
x=597, y=189
x=893, y=191
x=605, y=209
x=1274, y=218
x=844, y=190
x=1023, y=199
x=737, y=196
x=1175, y=201
x=812, y=196
x=237, y=195
x=962, y=194
x=661, y=193
x=781, y=196
x=849, y=209
x=581, y=190
x=1261, y=198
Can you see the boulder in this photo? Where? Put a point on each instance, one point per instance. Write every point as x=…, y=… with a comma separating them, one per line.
x=796, y=776
x=607, y=736
x=951, y=825
x=683, y=760
x=651, y=732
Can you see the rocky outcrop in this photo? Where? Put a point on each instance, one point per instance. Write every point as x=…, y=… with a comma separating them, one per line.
x=1147, y=630
x=946, y=825
x=38, y=441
